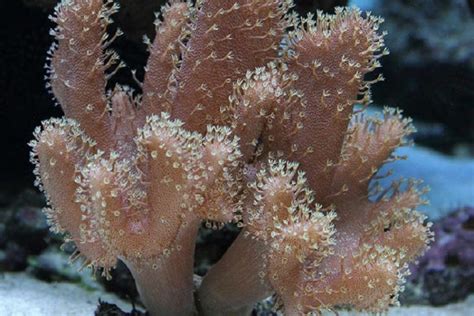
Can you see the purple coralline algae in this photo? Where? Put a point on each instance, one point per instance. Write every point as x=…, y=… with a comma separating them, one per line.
x=446, y=271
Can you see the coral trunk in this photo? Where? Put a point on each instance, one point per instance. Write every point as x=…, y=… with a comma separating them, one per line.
x=166, y=288
x=236, y=282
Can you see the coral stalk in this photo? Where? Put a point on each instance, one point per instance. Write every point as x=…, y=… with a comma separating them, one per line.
x=166, y=286
x=243, y=267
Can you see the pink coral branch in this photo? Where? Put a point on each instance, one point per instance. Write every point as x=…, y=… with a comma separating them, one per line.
x=219, y=30
x=79, y=61
x=331, y=55
x=164, y=56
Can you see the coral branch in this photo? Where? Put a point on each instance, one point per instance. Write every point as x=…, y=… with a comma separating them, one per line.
x=393, y=222
x=369, y=144
x=59, y=154
x=374, y=241
x=282, y=235
x=164, y=54
x=330, y=56
x=366, y=280
x=219, y=30
x=123, y=208
x=263, y=109
x=220, y=170
x=79, y=61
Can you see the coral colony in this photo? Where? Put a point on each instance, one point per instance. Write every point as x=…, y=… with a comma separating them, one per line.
x=246, y=116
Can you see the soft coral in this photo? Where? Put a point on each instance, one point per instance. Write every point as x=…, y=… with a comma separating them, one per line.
x=126, y=181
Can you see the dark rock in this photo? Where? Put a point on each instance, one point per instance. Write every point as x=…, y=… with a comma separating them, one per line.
x=106, y=309
x=305, y=6
x=3, y=236
x=24, y=231
x=122, y=283
x=29, y=228
x=13, y=258
x=25, y=223
x=211, y=245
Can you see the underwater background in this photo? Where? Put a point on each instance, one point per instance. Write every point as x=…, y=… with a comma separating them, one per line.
x=429, y=75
